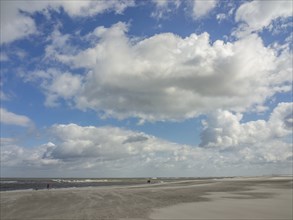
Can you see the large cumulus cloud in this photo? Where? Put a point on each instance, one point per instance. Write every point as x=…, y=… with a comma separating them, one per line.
x=167, y=77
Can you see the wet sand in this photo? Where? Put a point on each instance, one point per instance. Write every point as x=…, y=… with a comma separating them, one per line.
x=231, y=198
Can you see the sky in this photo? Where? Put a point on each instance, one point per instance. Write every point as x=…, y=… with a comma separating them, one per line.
x=179, y=88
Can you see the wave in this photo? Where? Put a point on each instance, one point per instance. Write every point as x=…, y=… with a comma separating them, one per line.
x=7, y=181
x=80, y=180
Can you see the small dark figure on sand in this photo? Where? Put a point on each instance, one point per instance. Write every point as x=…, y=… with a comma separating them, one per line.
x=149, y=181
x=48, y=186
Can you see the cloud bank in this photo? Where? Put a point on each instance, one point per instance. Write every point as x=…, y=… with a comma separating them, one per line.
x=228, y=146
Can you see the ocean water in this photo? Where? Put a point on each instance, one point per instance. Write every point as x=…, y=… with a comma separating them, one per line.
x=7, y=184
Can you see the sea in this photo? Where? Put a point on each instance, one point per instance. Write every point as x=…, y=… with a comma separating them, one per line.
x=8, y=184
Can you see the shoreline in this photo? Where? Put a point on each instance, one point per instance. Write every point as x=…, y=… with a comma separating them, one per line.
x=157, y=181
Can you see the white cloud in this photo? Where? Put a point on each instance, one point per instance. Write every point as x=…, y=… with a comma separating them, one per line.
x=202, y=8
x=104, y=143
x=224, y=130
x=256, y=142
x=59, y=44
x=96, y=148
x=63, y=85
x=166, y=77
x=281, y=120
x=13, y=155
x=90, y=8
x=257, y=15
x=111, y=151
x=160, y=3
x=164, y=7
x=220, y=17
x=11, y=118
x=14, y=24
x=17, y=23
x=56, y=84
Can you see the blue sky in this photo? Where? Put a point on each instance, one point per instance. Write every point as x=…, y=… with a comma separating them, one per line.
x=146, y=88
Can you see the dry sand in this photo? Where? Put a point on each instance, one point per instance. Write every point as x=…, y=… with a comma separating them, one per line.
x=233, y=198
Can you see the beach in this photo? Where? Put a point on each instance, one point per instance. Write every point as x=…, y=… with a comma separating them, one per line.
x=225, y=198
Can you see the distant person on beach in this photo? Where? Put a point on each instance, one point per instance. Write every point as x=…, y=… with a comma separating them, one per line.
x=149, y=180
x=48, y=186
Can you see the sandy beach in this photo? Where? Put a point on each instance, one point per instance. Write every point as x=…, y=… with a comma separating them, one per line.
x=230, y=198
